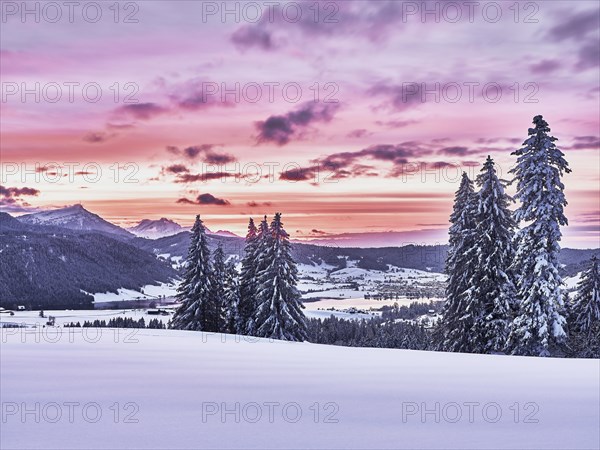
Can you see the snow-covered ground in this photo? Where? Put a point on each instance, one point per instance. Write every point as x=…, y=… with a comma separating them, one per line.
x=571, y=282
x=176, y=389
x=322, y=308
x=32, y=318
x=149, y=291
x=337, y=288
x=325, y=314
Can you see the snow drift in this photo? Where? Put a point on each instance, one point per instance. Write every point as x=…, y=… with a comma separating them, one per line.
x=105, y=388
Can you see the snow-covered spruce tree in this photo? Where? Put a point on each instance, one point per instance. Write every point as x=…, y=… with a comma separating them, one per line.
x=452, y=332
x=539, y=323
x=262, y=259
x=279, y=313
x=216, y=305
x=492, y=291
x=585, y=314
x=232, y=301
x=195, y=289
x=586, y=307
x=247, y=305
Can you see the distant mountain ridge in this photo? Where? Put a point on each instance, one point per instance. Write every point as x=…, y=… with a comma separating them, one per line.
x=153, y=229
x=430, y=258
x=53, y=259
x=76, y=218
x=47, y=266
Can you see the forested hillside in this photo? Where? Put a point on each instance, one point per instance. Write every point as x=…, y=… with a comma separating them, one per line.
x=39, y=269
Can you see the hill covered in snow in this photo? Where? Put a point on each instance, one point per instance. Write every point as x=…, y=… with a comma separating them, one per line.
x=223, y=391
x=76, y=218
x=153, y=229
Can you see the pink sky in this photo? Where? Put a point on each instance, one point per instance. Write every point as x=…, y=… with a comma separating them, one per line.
x=376, y=151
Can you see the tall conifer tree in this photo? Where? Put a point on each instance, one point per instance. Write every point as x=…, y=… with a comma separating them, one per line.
x=491, y=289
x=539, y=323
x=216, y=307
x=247, y=305
x=234, y=324
x=195, y=290
x=453, y=330
x=279, y=313
x=586, y=308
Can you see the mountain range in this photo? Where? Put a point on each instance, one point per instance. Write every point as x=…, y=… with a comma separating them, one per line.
x=58, y=258
x=74, y=217
x=153, y=229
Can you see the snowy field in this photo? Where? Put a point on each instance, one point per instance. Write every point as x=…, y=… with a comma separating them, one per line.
x=176, y=389
x=32, y=318
x=149, y=291
x=317, y=309
x=322, y=308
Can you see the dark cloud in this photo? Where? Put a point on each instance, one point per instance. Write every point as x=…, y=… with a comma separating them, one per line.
x=375, y=22
x=219, y=158
x=545, y=66
x=10, y=198
x=300, y=174
x=119, y=126
x=206, y=151
x=176, y=169
x=575, y=26
x=205, y=199
x=97, y=137
x=187, y=178
x=585, y=143
x=396, y=123
x=578, y=27
x=142, y=111
x=593, y=216
x=193, y=151
x=17, y=192
x=196, y=95
x=252, y=36
x=589, y=55
x=404, y=158
x=362, y=132
x=454, y=151
x=350, y=164
x=282, y=129
x=487, y=140
x=254, y=204
x=401, y=97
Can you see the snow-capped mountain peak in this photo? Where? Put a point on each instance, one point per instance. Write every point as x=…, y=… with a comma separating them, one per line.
x=153, y=229
x=223, y=233
x=74, y=217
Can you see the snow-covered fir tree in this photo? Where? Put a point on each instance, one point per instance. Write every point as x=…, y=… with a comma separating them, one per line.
x=584, y=317
x=233, y=323
x=216, y=305
x=261, y=260
x=539, y=323
x=247, y=306
x=195, y=290
x=279, y=313
x=452, y=333
x=491, y=289
x=585, y=311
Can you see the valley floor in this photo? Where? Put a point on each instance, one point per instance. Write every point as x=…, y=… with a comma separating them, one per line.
x=172, y=389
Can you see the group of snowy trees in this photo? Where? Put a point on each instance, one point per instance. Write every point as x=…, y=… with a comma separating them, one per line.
x=262, y=300
x=584, y=314
x=504, y=291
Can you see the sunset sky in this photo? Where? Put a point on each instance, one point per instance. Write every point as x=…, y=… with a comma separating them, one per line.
x=356, y=142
